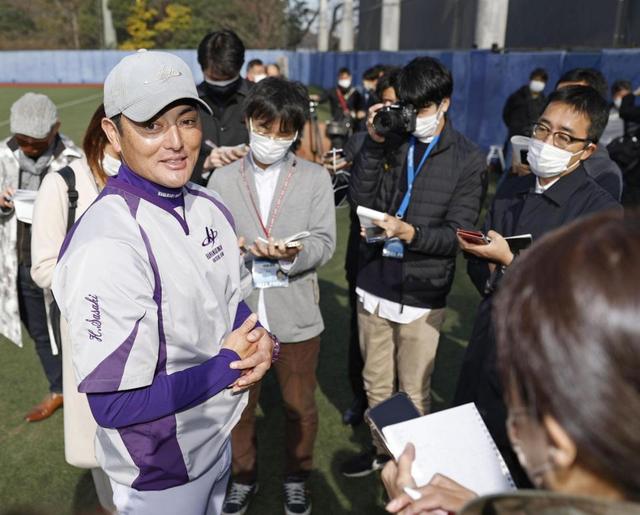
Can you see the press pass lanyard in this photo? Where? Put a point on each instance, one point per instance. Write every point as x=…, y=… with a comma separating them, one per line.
x=276, y=210
x=412, y=172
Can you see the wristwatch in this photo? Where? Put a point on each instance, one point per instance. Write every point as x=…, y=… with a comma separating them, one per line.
x=275, y=353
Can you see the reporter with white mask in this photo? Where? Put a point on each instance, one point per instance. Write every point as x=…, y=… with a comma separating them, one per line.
x=274, y=195
x=557, y=192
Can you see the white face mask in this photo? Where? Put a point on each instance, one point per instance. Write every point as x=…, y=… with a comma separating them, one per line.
x=110, y=165
x=259, y=77
x=344, y=83
x=536, y=86
x=426, y=126
x=617, y=102
x=268, y=150
x=548, y=160
x=221, y=83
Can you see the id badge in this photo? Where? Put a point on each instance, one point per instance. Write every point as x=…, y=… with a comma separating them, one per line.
x=267, y=274
x=393, y=248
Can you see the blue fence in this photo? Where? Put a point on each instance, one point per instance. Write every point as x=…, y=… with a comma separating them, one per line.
x=482, y=79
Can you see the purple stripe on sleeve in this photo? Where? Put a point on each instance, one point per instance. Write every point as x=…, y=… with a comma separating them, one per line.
x=107, y=376
x=167, y=394
x=217, y=203
x=242, y=313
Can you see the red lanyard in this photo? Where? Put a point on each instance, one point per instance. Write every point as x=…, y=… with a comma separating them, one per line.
x=278, y=205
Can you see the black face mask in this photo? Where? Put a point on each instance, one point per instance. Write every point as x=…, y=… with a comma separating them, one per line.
x=222, y=92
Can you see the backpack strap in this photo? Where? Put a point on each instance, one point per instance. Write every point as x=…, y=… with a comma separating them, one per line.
x=70, y=179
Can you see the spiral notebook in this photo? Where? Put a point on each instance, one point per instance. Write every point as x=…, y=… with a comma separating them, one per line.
x=455, y=443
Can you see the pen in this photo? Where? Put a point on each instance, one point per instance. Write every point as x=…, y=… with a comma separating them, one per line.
x=210, y=144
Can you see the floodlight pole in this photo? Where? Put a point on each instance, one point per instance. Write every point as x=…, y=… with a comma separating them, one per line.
x=390, y=25
x=323, y=27
x=110, y=40
x=346, y=34
x=491, y=23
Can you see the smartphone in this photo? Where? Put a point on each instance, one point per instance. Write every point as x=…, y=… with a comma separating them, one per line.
x=523, y=157
x=397, y=408
x=473, y=237
x=296, y=244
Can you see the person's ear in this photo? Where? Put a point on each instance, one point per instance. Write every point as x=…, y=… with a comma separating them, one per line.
x=444, y=105
x=112, y=133
x=588, y=152
x=562, y=449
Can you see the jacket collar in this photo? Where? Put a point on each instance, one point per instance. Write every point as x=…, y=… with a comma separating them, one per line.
x=61, y=146
x=560, y=192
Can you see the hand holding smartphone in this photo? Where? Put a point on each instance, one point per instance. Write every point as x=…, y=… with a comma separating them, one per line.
x=473, y=237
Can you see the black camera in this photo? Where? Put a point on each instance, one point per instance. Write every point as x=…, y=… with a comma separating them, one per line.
x=398, y=118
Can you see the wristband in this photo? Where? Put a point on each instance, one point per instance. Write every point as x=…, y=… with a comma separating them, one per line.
x=275, y=353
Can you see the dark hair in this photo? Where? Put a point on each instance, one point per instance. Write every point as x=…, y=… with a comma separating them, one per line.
x=344, y=70
x=94, y=142
x=388, y=80
x=424, y=80
x=539, y=73
x=254, y=62
x=621, y=85
x=222, y=52
x=374, y=72
x=275, y=97
x=590, y=76
x=587, y=101
x=568, y=339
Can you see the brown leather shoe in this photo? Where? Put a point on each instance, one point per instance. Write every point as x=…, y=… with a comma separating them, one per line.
x=45, y=409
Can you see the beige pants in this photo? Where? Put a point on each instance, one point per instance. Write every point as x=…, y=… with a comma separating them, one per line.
x=401, y=354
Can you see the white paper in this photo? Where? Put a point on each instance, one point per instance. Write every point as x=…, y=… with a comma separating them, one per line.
x=455, y=443
x=373, y=233
x=23, y=201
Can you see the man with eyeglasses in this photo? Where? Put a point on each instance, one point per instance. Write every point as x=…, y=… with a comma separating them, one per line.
x=36, y=147
x=556, y=192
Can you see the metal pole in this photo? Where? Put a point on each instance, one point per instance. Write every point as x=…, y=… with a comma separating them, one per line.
x=323, y=28
x=390, y=25
x=491, y=23
x=346, y=34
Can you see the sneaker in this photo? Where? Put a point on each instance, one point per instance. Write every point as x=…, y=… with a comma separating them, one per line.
x=354, y=415
x=296, y=498
x=364, y=464
x=238, y=498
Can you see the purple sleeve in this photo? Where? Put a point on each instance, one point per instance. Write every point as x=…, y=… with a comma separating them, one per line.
x=242, y=313
x=167, y=394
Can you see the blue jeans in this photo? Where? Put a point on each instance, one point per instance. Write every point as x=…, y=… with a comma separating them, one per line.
x=34, y=316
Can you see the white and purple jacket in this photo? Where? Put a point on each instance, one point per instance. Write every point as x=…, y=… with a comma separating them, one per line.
x=149, y=280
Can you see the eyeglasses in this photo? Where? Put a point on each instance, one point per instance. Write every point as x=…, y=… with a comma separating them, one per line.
x=267, y=134
x=560, y=139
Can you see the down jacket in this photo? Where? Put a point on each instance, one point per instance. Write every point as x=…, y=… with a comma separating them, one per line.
x=447, y=194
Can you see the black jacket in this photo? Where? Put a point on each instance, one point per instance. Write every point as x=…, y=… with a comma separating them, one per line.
x=521, y=111
x=447, y=194
x=602, y=169
x=226, y=126
x=517, y=209
x=353, y=98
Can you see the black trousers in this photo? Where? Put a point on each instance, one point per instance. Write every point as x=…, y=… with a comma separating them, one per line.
x=34, y=316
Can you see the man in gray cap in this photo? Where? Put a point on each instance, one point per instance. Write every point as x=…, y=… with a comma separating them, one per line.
x=152, y=285
x=35, y=148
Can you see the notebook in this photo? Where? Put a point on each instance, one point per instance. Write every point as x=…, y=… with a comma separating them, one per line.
x=455, y=443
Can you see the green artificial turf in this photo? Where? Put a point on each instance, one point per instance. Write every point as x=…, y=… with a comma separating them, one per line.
x=33, y=473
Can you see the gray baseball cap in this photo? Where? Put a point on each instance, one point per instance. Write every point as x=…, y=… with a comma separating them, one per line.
x=143, y=84
x=33, y=115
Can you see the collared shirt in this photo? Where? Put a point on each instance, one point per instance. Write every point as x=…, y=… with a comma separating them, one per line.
x=541, y=188
x=389, y=310
x=518, y=209
x=266, y=181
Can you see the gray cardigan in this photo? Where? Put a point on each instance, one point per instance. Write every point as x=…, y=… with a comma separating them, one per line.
x=293, y=313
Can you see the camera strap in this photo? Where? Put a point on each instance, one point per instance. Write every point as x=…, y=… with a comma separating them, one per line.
x=413, y=172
